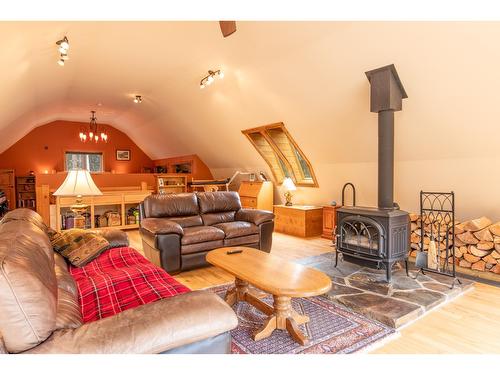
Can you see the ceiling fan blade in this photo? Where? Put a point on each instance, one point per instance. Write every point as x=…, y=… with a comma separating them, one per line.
x=227, y=27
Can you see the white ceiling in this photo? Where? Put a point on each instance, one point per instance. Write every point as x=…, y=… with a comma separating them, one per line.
x=310, y=75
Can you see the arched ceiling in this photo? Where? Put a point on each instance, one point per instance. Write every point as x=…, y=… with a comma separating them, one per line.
x=309, y=75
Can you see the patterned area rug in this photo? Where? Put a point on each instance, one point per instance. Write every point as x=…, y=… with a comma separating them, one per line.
x=332, y=329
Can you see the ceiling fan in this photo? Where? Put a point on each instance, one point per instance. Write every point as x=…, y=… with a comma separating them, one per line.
x=227, y=27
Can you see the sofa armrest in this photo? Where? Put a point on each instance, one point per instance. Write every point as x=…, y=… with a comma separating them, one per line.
x=150, y=328
x=254, y=216
x=161, y=226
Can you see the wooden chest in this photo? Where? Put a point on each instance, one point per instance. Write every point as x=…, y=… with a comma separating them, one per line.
x=298, y=220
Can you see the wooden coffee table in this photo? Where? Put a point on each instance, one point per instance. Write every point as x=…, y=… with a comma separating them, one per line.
x=274, y=275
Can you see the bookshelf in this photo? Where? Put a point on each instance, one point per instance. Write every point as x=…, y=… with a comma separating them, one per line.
x=26, y=195
x=171, y=183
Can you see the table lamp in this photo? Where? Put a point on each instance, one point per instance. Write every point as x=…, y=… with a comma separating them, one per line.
x=78, y=183
x=288, y=186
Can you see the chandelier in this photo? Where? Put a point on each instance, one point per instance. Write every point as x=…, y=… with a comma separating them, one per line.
x=95, y=132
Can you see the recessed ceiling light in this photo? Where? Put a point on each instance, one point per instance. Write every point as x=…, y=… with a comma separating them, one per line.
x=138, y=99
x=210, y=78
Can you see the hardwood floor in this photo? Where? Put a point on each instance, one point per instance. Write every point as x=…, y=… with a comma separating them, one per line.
x=468, y=324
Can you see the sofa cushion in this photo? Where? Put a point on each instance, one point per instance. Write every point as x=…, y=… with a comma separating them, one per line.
x=240, y=241
x=202, y=233
x=161, y=226
x=121, y=279
x=218, y=217
x=79, y=246
x=68, y=313
x=187, y=221
x=170, y=205
x=28, y=286
x=199, y=247
x=238, y=229
x=218, y=201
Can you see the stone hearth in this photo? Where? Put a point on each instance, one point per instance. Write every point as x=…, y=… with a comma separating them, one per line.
x=365, y=290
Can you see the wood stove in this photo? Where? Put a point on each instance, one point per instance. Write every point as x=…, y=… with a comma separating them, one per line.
x=378, y=236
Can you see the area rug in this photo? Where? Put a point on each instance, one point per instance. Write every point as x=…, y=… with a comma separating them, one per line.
x=332, y=329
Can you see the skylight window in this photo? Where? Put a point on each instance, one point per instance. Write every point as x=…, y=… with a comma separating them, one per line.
x=282, y=154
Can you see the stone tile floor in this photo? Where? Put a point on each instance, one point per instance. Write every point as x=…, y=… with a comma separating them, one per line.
x=365, y=290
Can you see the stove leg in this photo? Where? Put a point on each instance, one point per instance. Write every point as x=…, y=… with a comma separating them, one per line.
x=388, y=269
x=406, y=267
x=336, y=257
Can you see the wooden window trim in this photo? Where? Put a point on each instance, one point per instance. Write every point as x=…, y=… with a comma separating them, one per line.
x=263, y=131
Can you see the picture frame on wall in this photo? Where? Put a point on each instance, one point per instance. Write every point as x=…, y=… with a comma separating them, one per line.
x=123, y=155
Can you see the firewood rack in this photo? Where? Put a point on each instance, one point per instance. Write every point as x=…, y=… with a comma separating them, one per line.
x=437, y=219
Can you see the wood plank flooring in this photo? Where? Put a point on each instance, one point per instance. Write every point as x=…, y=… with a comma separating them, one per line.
x=468, y=324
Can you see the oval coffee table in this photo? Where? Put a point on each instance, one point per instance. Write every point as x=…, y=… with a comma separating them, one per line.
x=277, y=276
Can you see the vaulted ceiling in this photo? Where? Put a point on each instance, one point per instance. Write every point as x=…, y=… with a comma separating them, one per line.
x=309, y=75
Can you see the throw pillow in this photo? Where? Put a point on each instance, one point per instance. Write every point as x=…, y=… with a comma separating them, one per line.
x=79, y=246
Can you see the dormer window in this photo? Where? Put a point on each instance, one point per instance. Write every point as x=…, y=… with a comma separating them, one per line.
x=284, y=157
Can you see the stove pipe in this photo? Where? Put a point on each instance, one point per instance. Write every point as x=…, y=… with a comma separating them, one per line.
x=386, y=97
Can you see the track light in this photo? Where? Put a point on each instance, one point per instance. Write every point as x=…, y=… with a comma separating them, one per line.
x=63, y=46
x=138, y=99
x=210, y=78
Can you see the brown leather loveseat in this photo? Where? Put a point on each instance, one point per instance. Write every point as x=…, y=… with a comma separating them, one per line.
x=40, y=313
x=179, y=229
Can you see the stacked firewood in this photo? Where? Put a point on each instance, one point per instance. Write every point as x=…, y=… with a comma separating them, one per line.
x=477, y=242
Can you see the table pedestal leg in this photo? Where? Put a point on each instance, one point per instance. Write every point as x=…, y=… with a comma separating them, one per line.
x=284, y=317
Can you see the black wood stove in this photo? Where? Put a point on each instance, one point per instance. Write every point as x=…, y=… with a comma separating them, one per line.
x=380, y=236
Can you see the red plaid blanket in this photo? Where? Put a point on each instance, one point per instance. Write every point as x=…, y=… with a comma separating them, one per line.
x=120, y=279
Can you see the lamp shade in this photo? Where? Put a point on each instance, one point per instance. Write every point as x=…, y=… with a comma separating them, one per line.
x=288, y=184
x=78, y=182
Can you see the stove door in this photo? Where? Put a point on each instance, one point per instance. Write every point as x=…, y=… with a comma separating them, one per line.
x=361, y=235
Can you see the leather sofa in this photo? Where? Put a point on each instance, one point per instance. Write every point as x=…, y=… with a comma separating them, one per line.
x=39, y=310
x=178, y=230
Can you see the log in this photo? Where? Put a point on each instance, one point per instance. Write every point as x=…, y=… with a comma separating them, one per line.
x=414, y=217
x=464, y=249
x=414, y=238
x=484, y=235
x=468, y=238
x=495, y=229
x=489, y=259
x=458, y=242
x=489, y=266
x=497, y=247
x=496, y=269
x=464, y=263
x=413, y=253
x=495, y=254
x=414, y=246
x=458, y=252
x=496, y=239
x=479, y=265
x=432, y=261
x=471, y=258
x=477, y=224
x=414, y=226
x=477, y=252
x=485, y=245
x=459, y=228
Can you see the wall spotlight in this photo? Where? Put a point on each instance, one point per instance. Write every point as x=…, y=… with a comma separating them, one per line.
x=63, y=43
x=210, y=78
x=138, y=99
x=60, y=62
x=63, y=46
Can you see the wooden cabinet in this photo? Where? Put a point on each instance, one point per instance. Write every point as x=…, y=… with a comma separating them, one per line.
x=329, y=221
x=7, y=186
x=118, y=201
x=25, y=189
x=257, y=194
x=171, y=183
x=297, y=220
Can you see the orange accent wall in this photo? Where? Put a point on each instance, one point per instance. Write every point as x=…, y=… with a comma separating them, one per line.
x=43, y=149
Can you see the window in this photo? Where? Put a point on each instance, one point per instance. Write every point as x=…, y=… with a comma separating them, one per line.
x=91, y=161
x=282, y=154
